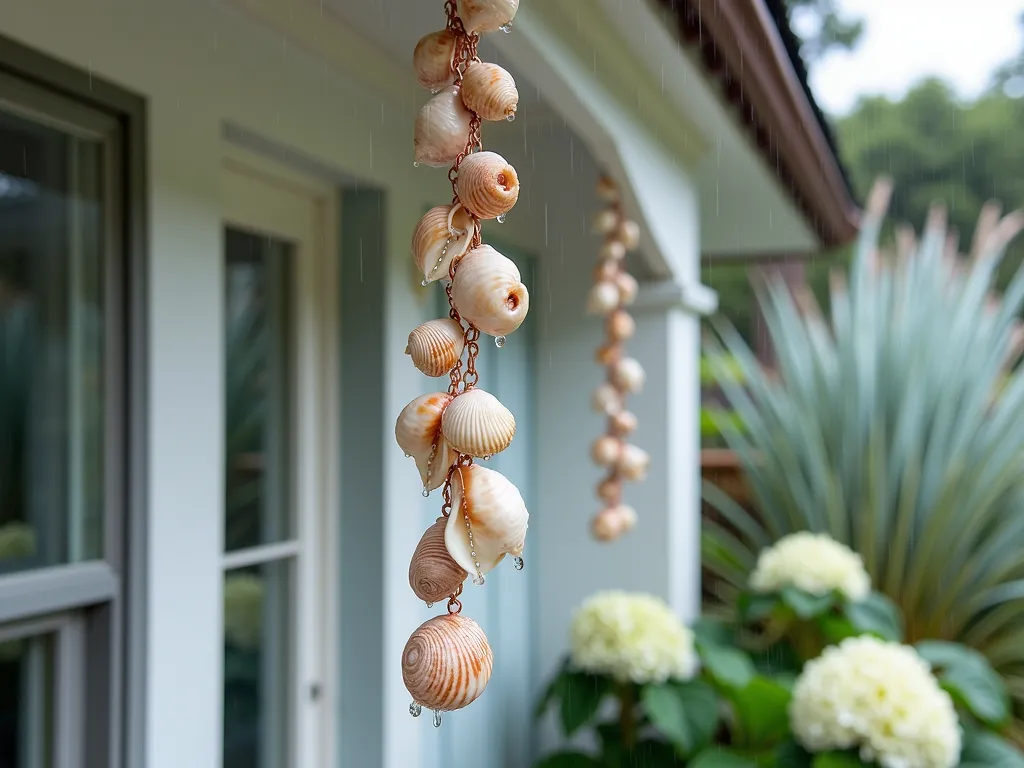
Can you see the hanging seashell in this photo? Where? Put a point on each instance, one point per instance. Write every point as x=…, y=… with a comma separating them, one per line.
x=629, y=234
x=606, y=399
x=442, y=128
x=628, y=375
x=603, y=298
x=497, y=519
x=477, y=424
x=487, y=185
x=609, y=491
x=479, y=16
x=435, y=245
x=607, y=190
x=620, y=325
x=622, y=423
x=489, y=293
x=632, y=463
x=433, y=575
x=446, y=663
x=606, y=271
x=432, y=60
x=418, y=432
x=436, y=346
x=628, y=287
x=605, y=222
x=608, y=353
x=605, y=450
x=612, y=522
x=490, y=91
x=613, y=250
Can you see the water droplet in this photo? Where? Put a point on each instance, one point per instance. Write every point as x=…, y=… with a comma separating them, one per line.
x=511, y=117
x=435, y=91
x=408, y=455
x=518, y=563
x=499, y=341
x=415, y=709
x=506, y=28
x=437, y=718
x=415, y=163
x=486, y=458
x=430, y=605
x=478, y=580
x=425, y=493
x=425, y=283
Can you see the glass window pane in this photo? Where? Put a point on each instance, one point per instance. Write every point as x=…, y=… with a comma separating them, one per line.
x=26, y=702
x=258, y=390
x=258, y=617
x=52, y=268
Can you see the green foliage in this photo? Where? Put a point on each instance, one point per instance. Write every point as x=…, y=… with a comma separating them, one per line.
x=823, y=27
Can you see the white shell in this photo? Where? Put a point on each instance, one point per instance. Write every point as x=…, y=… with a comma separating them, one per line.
x=487, y=185
x=487, y=15
x=497, y=518
x=620, y=325
x=443, y=234
x=628, y=375
x=447, y=662
x=432, y=60
x=436, y=346
x=442, y=129
x=623, y=422
x=606, y=450
x=628, y=287
x=476, y=423
x=490, y=91
x=633, y=462
x=489, y=293
x=606, y=399
x=418, y=432
x=605, y=222
x=603, y=298
x=613, y=250
x=629, y=234
x=612, y=522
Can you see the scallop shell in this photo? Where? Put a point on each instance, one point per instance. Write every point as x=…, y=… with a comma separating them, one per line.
x=433, y=575
x=607, y=354
x=476, y=423
x=622, y=423
x=443, y=234
x=613, y=250
x=629, y=234
x=490, y=91
x=606, y=399
x=418, y=432
x=628, y=375
x=488, y=292
x=447, y=662
x=628, y=287
x=442, y=129
x=436, y=346
x=620, y=325
x=609, y=491
x=632, y=463
x=606, y=222
x=432, y=60
x=487, y=185
x=603, y=298
x=487, y=15
x=497, y=519
x=606, y=450
x=612, y=522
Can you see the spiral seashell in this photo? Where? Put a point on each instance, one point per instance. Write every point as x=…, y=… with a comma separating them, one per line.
x=605, y=222
x=477, y=424
x=497, y=519
x=487, y=185
x=628, y=287
x=489, y=293
x=443, y=234
x=613, y=250
x=442, y=129
x=432, y=60
x=607, y=190
x=447, y=662
x=433, y=575
x=603, y=298
x=609, y=491
x=612, y=522
x=620, y=325
x=418, y=432
x=606, y=450
x=622, y=423
x=629, y=234
x=436, y=346
x=481, y=16
x=628, y=375
x=606, y=399
x=490, y=91
x=632, y=462
x=607, y=354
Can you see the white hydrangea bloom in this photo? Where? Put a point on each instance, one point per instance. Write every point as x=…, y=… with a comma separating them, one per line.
x=633, y=637
x=879, y=697
x=814, y=563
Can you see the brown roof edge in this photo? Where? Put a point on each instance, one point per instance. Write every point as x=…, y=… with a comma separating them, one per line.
x=740, y=46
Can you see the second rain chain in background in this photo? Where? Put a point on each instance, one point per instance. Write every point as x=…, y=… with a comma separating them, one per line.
x=613, y=290
x=447, y=662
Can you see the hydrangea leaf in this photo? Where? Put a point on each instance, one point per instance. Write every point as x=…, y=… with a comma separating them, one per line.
x=570, y=760
x=728, y=666
x=684, y=713
x=986, y=750
x=877, y=615
x=761, y=711
x=717, y=757
x=837, y=760
x=754, y=607
x=580, y=696
x=804, y=604
x=967, y=675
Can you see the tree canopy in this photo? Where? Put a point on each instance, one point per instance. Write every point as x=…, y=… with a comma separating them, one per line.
x=823, y=27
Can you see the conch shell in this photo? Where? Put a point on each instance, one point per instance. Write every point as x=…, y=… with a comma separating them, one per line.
x=605, y=451
x=632, y=462
x=447, y=662
x=487, y=15
x=444, y=233
x=418, y=432
x=496, y=516
x=442, y=129
x=436, y=346
x=606, y=399
x=432, y=60
x=620, y=325
x=612, y=522
x=603, y=298
x=487, y=185
x=476, y=423
x=433, y=575
x=490, y=91
x=628, y=375
x=489, y=293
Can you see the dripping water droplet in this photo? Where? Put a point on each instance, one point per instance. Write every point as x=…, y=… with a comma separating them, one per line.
x=415, y=709
x=408, y=455
x=478, y=580
x=415, y=163
x=430, y=605
x=499, y=341
x=437, y=719
x=511, y=117
x=486, y=458
x=425, y=493
x=425, y=283
x=506, y=28
x=501, y=218
x=518, y=563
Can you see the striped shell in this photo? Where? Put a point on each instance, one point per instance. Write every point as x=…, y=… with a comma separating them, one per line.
x=603, y=298
x=488, y=292
x=432, y=60
x=628, y=375
x=497, y=519
x=433, y=575
x=605, y=451
x=620, y=325
x=442, y=127
x=490, y=91
x=444, y=233
x=447, y=662
x=476, y=423
x=632, y=463
x=628, y=287
x=487, y=15
x=436, y=346
x=610, y=523
x=418, y=432
x=487, y=185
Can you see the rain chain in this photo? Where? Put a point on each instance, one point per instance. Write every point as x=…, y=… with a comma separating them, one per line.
x=447, y=662
x=613, y=290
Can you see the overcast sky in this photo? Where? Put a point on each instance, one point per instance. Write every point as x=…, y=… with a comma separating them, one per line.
x=960, y=40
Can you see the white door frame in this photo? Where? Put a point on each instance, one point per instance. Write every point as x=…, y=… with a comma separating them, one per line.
x=261, y=196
